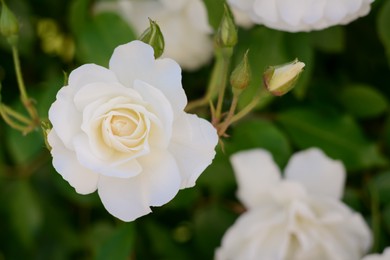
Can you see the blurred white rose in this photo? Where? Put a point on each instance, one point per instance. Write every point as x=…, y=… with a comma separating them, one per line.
x=299, y=217
x=302, y=15
x=384, y=256
x=123, y=132
x=184, y=24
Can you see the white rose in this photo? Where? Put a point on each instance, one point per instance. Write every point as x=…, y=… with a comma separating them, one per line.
x=298, y=218
x=184, y=24
x=384, y=256
x=123, y=132
x=302, y=15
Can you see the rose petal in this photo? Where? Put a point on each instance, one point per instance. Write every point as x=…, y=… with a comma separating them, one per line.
x=291, y=11
x=90, y=73
x=193, y=143
x=135, y=60
x=317, y=172
x=256, y=173
x=66, y=120
x=66, y=164
x=101, y=90
x=161, y=177
x=124, y=198
x=160, y=106
x=119, y=167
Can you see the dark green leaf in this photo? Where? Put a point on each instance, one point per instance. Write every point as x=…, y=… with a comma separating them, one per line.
x=383, y=24
x=119, y=245
x=331, y=40
x=363, y=101
x=338, y=135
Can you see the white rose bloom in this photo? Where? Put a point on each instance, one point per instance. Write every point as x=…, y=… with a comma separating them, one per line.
x=184, y=24
x=384, y=256
x=123, y=132
x=302, y=15
x=299, y=217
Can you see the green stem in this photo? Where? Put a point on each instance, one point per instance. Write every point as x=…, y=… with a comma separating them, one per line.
x=22, y=88
x=10, y=122
x=224, y=55
x=15, y=114
x=224, y=126
x=246, y=110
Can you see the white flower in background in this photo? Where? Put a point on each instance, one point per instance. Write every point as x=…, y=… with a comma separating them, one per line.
x=384, y=256
x=123, y=132
x=299, y=217
x=302, y=15
x=184, y=24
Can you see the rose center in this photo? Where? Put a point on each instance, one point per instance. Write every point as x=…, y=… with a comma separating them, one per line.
x=122, y=125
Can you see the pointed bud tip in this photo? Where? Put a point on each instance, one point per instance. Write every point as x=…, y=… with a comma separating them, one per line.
x=281, y=79
x=227, y=30
x=9, y=26
x=241, y=75
x=154, y=37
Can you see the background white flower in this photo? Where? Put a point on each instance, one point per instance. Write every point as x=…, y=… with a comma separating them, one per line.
x=384, y=256
x=184, y=24
x=300, y=217
x=123, y=131
x=302, y=15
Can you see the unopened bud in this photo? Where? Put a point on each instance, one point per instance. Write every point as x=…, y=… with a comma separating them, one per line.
x=154, y=37
x=281, y=79
x=241, y=75
x=227, y=31
x=9, y=26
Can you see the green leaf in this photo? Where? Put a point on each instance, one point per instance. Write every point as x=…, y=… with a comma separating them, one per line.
x=24, y=147
x=97, y=36
x=214, y=11
x=338, y=135
x=211, y=222
x=363, y=101
x=119, y=245
x=25, y=211
x=383, y=24
x=260, y=134
x=330, y=40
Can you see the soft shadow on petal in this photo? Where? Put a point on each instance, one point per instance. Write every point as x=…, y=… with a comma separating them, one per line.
x=193, y=146
x=256, y=173
x=159, y=105
x=66, y=164
x=123, y=198
x=161, y=177
x=90, y=73
x=66, y=120
x=318, y=173
x=115, y=167
x=102, y=90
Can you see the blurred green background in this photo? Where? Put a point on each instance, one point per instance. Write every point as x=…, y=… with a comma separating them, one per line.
x=341, y=105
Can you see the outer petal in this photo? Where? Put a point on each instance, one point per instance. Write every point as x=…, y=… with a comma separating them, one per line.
x=160, y=176
x=193, y=143
x=256, y=173
x=317, y=172
x=66, y=120
x=66, y=164
x=125, y=199
x=135, y=60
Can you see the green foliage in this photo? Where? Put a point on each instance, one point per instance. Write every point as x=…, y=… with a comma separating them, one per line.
x=340, y=104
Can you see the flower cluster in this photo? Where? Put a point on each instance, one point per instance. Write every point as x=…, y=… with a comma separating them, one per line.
x=301, y=15
x=298, y=217
x=123, y=132
x=184, y=24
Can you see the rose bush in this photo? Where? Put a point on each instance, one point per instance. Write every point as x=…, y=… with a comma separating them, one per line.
x=300, y=217
x=184, y=24
x=302, y=15
x=123, y=132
